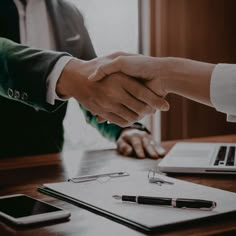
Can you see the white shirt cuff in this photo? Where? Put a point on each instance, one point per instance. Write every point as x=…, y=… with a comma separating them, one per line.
x=223, y=90
x=53, y=78
x=231, y=118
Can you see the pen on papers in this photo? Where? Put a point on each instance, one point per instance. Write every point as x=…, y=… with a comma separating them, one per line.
x=173, y=202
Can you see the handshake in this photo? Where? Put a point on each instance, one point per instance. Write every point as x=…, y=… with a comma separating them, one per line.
x=123, y=88
x=115, y=88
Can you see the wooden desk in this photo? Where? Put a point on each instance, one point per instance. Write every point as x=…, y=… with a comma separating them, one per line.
x=25, y=174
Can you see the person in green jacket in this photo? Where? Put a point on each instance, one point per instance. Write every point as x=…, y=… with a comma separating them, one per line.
x=60, y=28
x=23, y=79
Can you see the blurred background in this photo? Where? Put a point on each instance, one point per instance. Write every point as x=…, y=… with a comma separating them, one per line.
x=202, y=30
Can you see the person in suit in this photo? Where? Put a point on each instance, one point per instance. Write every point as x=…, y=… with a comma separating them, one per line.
x=29, y=129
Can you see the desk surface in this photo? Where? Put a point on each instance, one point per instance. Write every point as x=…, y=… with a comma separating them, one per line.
x=25, y=174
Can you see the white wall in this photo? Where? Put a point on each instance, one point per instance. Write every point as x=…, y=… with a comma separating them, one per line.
x=113, y=26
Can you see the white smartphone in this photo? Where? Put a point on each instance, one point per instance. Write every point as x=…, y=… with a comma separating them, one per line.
x=21, y=209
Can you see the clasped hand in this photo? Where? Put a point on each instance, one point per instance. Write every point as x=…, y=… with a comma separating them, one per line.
x=146, y=70
x=116, y=96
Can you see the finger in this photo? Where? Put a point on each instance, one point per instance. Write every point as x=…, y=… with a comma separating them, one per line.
x=151, y=151
x=105, y=69
x=118, y=54
x=145, y=95
x=125, y=113
x=139, y=108
x=127, y=107
x=116, y=119
x=124, y=148
x=120, y=63
x=137, y=146
x=131, y=65
x=100, y=119
x=149, y=148
x=124, y=116
x=160, y=150
x=115, y=112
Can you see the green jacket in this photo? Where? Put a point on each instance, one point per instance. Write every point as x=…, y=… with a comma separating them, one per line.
x=23, y=74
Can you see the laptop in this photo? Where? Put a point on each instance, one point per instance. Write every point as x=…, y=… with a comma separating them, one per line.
x=200, y=158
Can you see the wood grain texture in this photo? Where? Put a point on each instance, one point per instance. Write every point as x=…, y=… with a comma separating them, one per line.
x=201, y=30
x=25, y=174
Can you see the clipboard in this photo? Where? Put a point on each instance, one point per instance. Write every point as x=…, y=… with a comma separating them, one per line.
x=96, y=196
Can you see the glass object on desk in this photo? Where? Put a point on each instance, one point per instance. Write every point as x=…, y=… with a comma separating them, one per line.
x=154, y=178
x=99, y=177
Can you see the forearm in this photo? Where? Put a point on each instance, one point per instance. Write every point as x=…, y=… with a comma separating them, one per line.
x=188, y=78
x=26, y=69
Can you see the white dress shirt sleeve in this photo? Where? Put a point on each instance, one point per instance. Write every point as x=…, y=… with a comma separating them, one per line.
x=53, y=78
x=223, y=90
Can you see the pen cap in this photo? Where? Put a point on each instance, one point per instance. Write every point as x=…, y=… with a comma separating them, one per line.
x=194, y=203
x=154, y=200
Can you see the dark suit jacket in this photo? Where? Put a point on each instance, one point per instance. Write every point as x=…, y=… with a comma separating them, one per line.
x=28, y=130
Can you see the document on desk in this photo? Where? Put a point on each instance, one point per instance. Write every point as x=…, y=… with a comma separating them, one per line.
x=96, y=196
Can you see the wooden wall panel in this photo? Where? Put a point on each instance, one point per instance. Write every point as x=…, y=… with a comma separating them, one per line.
x=202, y=30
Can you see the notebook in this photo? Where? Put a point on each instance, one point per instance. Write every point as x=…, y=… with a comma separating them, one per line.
x=96, y=196
x=193, y=157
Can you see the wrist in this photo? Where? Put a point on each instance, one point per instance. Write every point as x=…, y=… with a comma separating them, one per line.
x=173, y=74
x=70, y=73
x=135, y=126
x=165, y=74
x=141, y=127
x=188, y=78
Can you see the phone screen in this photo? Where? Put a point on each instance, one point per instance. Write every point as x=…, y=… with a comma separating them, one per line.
x=21, y=206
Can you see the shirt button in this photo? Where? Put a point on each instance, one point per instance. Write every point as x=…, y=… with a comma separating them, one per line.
x=10, y=92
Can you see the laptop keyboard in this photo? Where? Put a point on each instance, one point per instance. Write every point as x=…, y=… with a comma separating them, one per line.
x=230, y=159
x=225, y=156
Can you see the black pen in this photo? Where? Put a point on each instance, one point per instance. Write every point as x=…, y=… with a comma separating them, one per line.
x=173, y=202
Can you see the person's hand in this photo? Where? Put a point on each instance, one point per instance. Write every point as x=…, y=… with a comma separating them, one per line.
x=187, y=78
x=142, y=67
x=118, y=98
x=150, y=70
x=134, y=142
